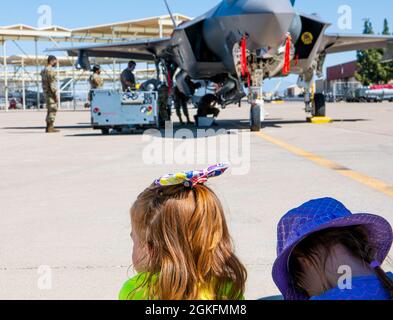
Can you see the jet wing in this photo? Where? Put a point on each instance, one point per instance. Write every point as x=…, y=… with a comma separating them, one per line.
x=146, y=50
x=336, y=43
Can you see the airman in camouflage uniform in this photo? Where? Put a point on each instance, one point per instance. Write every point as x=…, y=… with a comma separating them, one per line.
x=96, y=82
x=49, y=87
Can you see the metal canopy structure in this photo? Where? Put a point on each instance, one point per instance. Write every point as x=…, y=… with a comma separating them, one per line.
x=22, y=32
x=153, y=27
x=160, y=26
x=31, y=61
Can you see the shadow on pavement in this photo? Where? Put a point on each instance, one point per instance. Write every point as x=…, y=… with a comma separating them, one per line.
x=222, y=127
x=87, y=126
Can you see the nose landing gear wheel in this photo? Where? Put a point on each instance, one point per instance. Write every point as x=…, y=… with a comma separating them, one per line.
x=255, y=117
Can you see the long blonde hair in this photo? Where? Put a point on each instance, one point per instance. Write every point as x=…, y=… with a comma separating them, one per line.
x=189, y=244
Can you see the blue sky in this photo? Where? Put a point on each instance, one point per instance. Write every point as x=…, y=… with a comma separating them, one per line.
x=79, y=13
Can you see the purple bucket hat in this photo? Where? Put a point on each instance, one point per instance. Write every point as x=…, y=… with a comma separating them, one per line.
x=315, y=216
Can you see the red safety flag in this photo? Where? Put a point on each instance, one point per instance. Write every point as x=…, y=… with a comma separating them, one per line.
x=244, y=63
x=287, y=59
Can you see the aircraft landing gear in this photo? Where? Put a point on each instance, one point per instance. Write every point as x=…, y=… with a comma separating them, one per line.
x=315, y=103
x=256, y=101
x=319, y=110
x=319, y=107
x=255, y=118
x=251, y=74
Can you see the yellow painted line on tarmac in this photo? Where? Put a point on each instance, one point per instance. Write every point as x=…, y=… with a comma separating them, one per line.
x=344, y=171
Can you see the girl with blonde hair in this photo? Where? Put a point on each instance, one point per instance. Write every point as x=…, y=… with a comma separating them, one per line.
x=182, y=247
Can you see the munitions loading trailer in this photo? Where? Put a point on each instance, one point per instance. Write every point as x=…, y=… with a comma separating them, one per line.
x=112, y=109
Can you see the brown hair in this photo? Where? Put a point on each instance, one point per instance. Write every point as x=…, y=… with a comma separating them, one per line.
x=51, y=59
x=189, y=244
x=317, y=247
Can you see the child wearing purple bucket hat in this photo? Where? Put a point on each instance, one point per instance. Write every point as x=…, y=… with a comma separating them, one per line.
x=327, y=253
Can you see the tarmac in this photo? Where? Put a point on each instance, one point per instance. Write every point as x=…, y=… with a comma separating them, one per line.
x=65, y=198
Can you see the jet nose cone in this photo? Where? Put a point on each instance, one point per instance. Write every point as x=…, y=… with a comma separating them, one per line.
x=235, y=7
x=268, y=21
x=265, y=21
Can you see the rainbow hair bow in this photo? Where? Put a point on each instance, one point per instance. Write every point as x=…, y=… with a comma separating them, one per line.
x=192, y=178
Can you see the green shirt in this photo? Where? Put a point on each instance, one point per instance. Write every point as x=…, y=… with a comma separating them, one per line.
x=137, y=289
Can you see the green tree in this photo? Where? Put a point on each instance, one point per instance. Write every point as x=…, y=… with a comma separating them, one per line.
x=386, y=29
x=371, y=70
x=388, y=65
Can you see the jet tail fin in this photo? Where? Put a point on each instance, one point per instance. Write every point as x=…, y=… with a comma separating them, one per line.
x=293, y=2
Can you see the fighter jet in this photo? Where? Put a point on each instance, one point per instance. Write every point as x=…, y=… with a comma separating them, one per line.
x=237, y=45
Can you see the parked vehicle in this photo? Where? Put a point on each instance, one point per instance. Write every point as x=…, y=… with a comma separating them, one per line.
x=65, y=95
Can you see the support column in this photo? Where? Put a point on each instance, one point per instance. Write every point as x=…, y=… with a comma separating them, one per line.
x=38, y=74
x=58, y=85
x=114, y=74
x=23, y=84
x=73, y=87
x=5, y=65
x=161, y=32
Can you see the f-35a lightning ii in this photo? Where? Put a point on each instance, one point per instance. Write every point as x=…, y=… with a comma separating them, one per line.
x=238, y=44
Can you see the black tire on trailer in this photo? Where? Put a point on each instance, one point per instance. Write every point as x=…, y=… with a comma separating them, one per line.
x=320, y=105
x=105, y=131
x=255, y=117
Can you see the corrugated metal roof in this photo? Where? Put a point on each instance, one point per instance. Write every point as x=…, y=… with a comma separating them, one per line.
x=133, y=29
x=18, y=60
